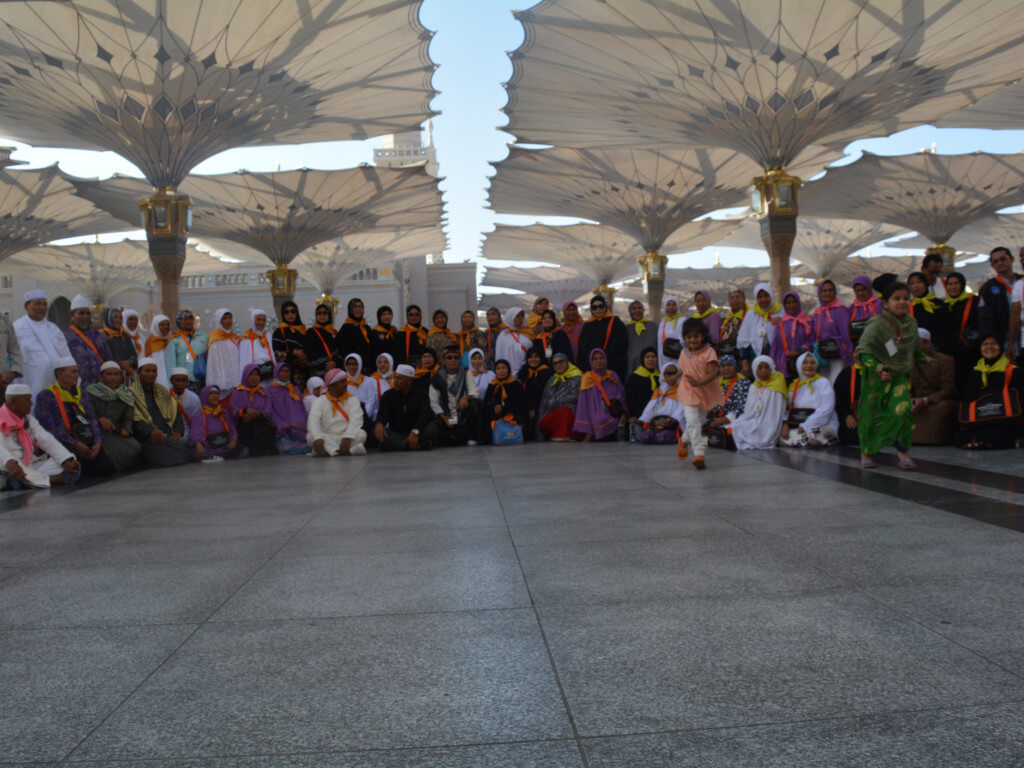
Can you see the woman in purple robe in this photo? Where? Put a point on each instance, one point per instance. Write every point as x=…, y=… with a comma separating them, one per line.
x=287, y=412
x=213, y=435
x=601, y=407
x=831, y=324
x=794, y=335
x=866, y=305
x=708, y=315
x=251, y=408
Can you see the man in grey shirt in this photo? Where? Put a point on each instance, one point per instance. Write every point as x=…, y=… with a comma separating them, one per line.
x=455, y=401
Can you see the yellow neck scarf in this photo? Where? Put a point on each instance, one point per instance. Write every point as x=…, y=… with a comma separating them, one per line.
x=776, y=383
x=999, y=366
x=570, y=373
x=928, y=301
x=709, y=311
x=809, y=383
x=638, y=325
x=775, y=308
x=652, y=375
x=67, y=397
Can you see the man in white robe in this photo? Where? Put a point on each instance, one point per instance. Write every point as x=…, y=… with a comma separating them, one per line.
x=188, y=401
x=42, y=343
x=334, y=427
x=20, y=435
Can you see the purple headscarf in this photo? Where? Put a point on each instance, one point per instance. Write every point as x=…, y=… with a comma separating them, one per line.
x=713, y=321
x=832, y=321
x=242, y=397
x=862, y=310
x=204, y=424
x=287, y=412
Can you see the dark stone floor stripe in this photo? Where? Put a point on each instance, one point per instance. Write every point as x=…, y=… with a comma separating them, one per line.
x=981, y=477
x=1002, y=513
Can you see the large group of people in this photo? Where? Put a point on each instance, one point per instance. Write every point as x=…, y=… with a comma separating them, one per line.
x=917, y=361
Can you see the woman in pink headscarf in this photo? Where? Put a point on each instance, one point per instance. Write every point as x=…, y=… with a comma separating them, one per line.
x=794, y=335
x=831, y=323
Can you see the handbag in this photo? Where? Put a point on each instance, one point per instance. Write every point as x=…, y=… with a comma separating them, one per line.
x=218, y=440
x=857, y=328
x=506, y=433
x=199, y=368
x=266, y=370
x=727, y=348
x=828, y=348
x=970, y=337
x=798, y=416
x=615, y=408
x=719, y=437
x=82, y=430
x=992, y=406
x=672, y=348
x=318, y=367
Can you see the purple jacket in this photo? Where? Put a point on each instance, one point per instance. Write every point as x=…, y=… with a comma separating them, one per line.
x=794, y=332
x=833, y=322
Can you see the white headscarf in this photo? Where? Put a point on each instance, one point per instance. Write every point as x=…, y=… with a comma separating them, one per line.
x=312, y=383
x=391, y=365
x=510, y=317
x=359, y=359
x=126, y=314
x=154, y=328
x=666, y=300
x=220, y=314
x=800, y=367
x=252, y=319
x=766, y=287
x=474, y=351
x=761, y=359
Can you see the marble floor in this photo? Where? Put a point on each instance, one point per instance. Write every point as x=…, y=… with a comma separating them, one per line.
x=538, y=606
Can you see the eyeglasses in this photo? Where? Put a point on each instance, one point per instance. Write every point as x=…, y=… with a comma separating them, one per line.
x=451, y=357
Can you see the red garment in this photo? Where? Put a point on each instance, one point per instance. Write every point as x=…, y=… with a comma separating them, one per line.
x=559, y=423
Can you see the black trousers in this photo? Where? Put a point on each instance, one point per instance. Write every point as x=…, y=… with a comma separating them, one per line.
x=467, y=428
x=394, y=440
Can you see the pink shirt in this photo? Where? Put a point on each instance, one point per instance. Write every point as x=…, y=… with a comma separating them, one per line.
x=696, y=365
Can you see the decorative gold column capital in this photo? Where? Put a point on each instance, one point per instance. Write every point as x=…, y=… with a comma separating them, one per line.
x=776, y=193
x=165, y=213
x=282, y=280
x=330, y=300
x=947, y=253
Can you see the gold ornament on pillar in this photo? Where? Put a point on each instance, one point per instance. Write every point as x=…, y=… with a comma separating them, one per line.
x=97, y=315
x=608, y=293
x=946, y=253
x=775, y=197
x=282, y=285
x=652, y=272
x=330, y=300
x=167, y=219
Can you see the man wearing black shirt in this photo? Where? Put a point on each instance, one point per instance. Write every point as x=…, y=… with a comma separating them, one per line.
x=994, y=303
x=405, y=421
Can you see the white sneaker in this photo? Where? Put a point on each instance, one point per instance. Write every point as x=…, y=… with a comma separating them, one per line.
x=359, y=449
x=472, y=443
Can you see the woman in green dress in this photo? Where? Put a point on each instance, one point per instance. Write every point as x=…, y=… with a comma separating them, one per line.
x=886, y=353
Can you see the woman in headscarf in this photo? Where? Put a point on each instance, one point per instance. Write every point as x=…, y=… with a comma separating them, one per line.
x=662, y=416
x=321, y=342
x=758, y=327
x=134, y=331
x=707, y=314
x=222, y=365
x=114, y=407
x=670, y=331
x=469, y=335
x=866, y=305
x=759, y=425
x=250, y=406
x=557, y=412
x=314, y=388
x=354, y=334
x=793, y=336
x=439, y=337
x=289, y=341
x=732, y=319
x=426, y=369
x=606, y=332
x=567, y=338
x=812, y=419
x=122, y=348
x=412, y=337
x=362, y=387
x=540, y=306
x=514, y=342
x=641, y=333
x=735, y=387
x=287, y=412
x=478, y=369
x=990, y=409
x=964, y=339
x=214, y=435
x=544, y=336
x=380, y=380
x=505, y=398
x=601, y=407
x=831, y=323
x=533, y=376
x=927, y=310
x=641, y=386
x=156, y=347
x=886, y=354
x=188, y=349
x=384, y=337
x=255, y=346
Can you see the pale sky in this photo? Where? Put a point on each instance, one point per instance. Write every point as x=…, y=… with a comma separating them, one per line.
x=470, y=45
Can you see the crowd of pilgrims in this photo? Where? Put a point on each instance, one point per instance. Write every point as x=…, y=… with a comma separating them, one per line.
x=925, y=361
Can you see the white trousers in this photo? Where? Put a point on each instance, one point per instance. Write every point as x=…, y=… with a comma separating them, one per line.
x=333, y=442
x=692, y=434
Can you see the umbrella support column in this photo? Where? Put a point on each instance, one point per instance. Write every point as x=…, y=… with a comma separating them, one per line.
x=775, y=196
x=167, y=218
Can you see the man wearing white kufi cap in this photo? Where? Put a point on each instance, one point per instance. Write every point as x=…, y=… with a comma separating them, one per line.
x=88, y=345
x=21, y=436
x=42, y=343
x=187, y=400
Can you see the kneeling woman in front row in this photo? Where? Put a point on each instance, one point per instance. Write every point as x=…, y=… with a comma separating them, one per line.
x=761, y=421
x=990, y=411
x=251, y=407
x=812, y=408
x=558, y=401
x=663, y=414
x=601, y=407
x=213, y=435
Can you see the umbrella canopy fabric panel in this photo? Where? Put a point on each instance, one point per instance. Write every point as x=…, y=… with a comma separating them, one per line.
x=281, y=214
x=505, y=301
x=558, y=284
x=100, y=271
x=167, y=85
x=39, y=206
x=329, y=264
x=935, y=195
x=768, y=79
x=1002, y=109
x=981, y=236
x=820, y=244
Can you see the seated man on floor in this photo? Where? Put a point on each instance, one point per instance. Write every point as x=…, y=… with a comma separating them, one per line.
x=334, y=426
x=157, y=422
x=405, y=421
x=933, y=395
x=455, y=401
x=21, y=437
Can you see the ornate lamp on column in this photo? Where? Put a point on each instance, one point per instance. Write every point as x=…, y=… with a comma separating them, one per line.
x=282, y=285
x=775, y=196
x=946, y=253
x=330, y=300
x=167, y=219
x=608, y=293
x=652, y=271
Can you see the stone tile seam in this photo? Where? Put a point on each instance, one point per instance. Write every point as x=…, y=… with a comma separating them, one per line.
x=182, y=644
x=543, y=635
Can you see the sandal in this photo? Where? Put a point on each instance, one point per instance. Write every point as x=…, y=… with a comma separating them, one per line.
x=906, y=464
x=699, y=463
x=683, y=452
x=867, y=464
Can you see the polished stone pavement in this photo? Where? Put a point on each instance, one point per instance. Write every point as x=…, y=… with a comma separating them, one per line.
x=537, y=606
